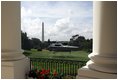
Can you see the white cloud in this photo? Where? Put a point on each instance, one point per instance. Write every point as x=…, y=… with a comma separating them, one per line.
x=62, y=19
x=62, y=24
x=26, y=12
x=32, y=27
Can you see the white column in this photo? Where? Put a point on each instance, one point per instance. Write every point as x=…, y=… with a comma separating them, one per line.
x=13, y=61
x=103, y=59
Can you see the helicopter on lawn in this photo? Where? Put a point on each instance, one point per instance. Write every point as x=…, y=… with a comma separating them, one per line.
x=59, y=47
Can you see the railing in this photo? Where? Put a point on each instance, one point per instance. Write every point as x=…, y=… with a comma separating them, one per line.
x=67, y=67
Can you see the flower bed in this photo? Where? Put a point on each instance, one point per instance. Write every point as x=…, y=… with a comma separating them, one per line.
x=44, y=74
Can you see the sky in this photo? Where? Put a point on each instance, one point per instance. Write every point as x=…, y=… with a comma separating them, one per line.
x=62, y=19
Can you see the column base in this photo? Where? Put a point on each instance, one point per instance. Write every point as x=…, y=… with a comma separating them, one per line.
x=8, y=55
x=15, y=69
x=87, y=73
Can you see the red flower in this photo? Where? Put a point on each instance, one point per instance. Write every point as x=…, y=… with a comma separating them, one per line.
x=43, y=71
x=55, y=73
x=47, y=72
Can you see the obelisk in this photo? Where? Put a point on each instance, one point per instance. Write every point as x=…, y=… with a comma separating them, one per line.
x=42, y=32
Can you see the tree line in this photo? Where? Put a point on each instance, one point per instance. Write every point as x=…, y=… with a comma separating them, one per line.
x=75, y=40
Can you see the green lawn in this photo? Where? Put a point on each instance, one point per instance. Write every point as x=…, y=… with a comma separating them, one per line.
x=69, y=68
x=75, y=55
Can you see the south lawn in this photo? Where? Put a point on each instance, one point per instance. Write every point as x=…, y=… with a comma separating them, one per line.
x=74, y=55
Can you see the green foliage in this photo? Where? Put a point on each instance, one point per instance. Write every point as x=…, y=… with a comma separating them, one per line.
x=76, y=40
x=28, y=44
x=36, y=43
x=81, y=42
x=25, y=41
x=26, y=53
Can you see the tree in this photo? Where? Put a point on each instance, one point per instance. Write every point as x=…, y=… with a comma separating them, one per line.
x=74, y=37
x=25, y=41
x=77, y=40
x=49, y=42
x=81, y=42
x=36, y=43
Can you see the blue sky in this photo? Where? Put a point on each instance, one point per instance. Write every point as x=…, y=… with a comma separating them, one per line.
x=62, y=19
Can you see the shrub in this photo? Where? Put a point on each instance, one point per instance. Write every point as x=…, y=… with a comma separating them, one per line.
x=27, y=53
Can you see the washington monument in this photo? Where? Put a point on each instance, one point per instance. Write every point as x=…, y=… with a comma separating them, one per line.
x=42, y=32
